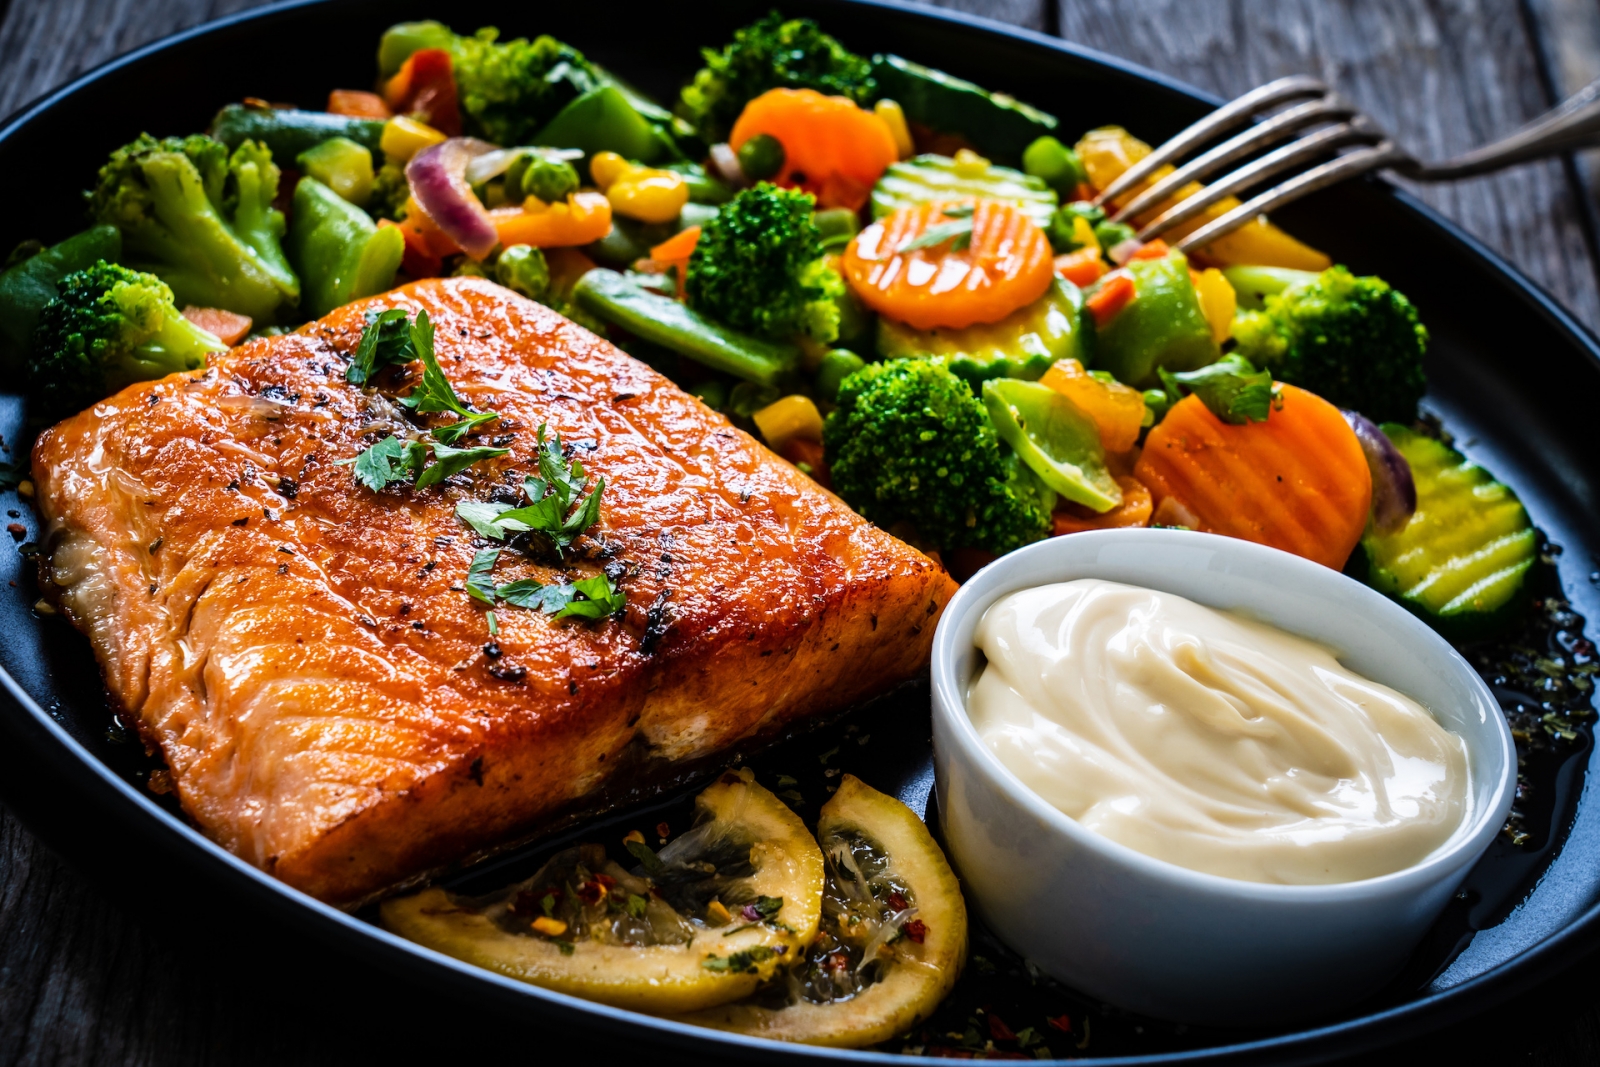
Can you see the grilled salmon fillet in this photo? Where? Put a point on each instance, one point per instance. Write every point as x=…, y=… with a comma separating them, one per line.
x=328, y=698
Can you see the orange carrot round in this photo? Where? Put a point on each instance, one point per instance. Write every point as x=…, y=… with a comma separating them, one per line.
x=1298, y=481
x=1134, y=510
x=1004, y=264
x=832, y=149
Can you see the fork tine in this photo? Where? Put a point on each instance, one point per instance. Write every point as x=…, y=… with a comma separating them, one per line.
x=1224, y=118
x=1274, y=162
x=1336, y=170
x=1253, y=139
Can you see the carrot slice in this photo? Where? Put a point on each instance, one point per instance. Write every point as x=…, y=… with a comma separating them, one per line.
x=425, y=86
x=419, y=259
x=229, y=327
x=358, y=104
x=831, y=148
x=680, y=245
x=1155, y=249
x=1005, y=266
x=1134, y=510
x=1298, y=481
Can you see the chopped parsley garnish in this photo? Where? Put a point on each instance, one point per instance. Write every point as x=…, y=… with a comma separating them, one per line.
x=390, y=338
x=591, y=598
x=386, y=341
x=1231, y=388
x=740, y=962
x=550, y=499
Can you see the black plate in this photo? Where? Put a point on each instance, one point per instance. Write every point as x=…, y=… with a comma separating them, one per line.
x=1513, y=375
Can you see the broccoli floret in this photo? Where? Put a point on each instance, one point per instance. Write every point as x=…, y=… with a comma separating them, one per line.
x=758, y=267
x=909, y=442
x=390, y=192
x=770, y=53
x=110, y=327
x=201, y=220
x=508, y=90
x=1355, y=341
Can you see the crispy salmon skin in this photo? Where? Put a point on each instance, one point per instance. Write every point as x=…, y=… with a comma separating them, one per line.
x=327, y=696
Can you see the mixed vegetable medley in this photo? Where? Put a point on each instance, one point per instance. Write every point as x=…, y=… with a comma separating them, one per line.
x=900, y=281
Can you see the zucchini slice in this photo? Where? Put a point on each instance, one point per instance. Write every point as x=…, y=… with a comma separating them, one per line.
x=718, y=912
x=995, y=122
x=1460, y=563
x=893, y=938
x=927, y=178
x=1024, y=344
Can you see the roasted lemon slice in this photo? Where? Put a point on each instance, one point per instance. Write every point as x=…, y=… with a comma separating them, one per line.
x=719, y=911
x=893, y=937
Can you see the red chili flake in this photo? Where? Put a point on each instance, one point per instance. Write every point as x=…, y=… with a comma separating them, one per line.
x=663, y=831
x=999, y=1030
x=916, y=930
x=591, y=892
x=897, y=902
x=605, y=880
x=838, y=961
x=16, y=530
x=1062, y=1022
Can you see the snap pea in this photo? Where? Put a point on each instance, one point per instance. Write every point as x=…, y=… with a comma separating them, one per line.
x=665, y=322
x=337, y=251
x=288, y=132
x=26, y=287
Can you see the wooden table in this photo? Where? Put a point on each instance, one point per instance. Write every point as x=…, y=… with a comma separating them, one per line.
x=83, y=982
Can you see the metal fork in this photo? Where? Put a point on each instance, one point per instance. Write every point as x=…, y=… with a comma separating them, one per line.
x=1328, y=126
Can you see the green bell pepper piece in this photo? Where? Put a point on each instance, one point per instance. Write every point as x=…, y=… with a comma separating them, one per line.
x=1162, y=326
x=1021, y=345
x=336, y=249
x=665, y=322
x=341, y=165
x=26, y=287
x=603, y=120
x=1054, y=438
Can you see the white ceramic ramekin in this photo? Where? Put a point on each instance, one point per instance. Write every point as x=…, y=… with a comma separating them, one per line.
x=1160, y=939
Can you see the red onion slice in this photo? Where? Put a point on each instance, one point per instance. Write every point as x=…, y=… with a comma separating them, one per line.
x=1394, y=492
x=437, y=176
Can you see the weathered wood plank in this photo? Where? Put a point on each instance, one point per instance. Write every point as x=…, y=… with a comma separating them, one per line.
x=1441, y=77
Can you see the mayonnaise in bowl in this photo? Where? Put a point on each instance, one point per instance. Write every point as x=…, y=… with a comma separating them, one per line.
x=1209, y=740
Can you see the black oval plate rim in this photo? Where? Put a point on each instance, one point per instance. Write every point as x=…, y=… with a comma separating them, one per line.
x=1543, y=959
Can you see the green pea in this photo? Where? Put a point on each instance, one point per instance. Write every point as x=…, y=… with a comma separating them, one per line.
x=761, y=157
x=835, y=367
x=1053, y=161
x=522, y=269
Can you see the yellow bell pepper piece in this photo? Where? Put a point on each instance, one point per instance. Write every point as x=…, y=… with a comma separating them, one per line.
x=1110, y=150
x=403, y=137
x=1117, y=409
x=606, y=167
x=970, y=165
x=579, y=220
x=787, y=419
x=894, y=117
x=1217, y=302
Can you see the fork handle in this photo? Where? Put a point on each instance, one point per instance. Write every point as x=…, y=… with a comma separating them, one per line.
x=1573, y=123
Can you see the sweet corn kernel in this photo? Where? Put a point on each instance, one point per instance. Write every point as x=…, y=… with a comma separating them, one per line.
x=784, y=420
x=894, y=117
x=1217, y=302
x=403, y=137
x=970, y=165
x=606, y=167
x=549, y=927
x=1117, y=409
x=649, y=195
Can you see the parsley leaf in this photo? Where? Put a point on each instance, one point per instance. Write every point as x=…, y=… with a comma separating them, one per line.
x=434, y=392
x=449, y=461
x=481, y=516
x=550, y=496
x=480, y=586
x=591, y=598
x=601, y=598
x=959, y=229
x=455, y=431
x=1231, y=388
x=381, y=464
x=386, y=340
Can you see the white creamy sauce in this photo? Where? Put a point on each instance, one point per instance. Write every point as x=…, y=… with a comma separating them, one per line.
x=1212, y=741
